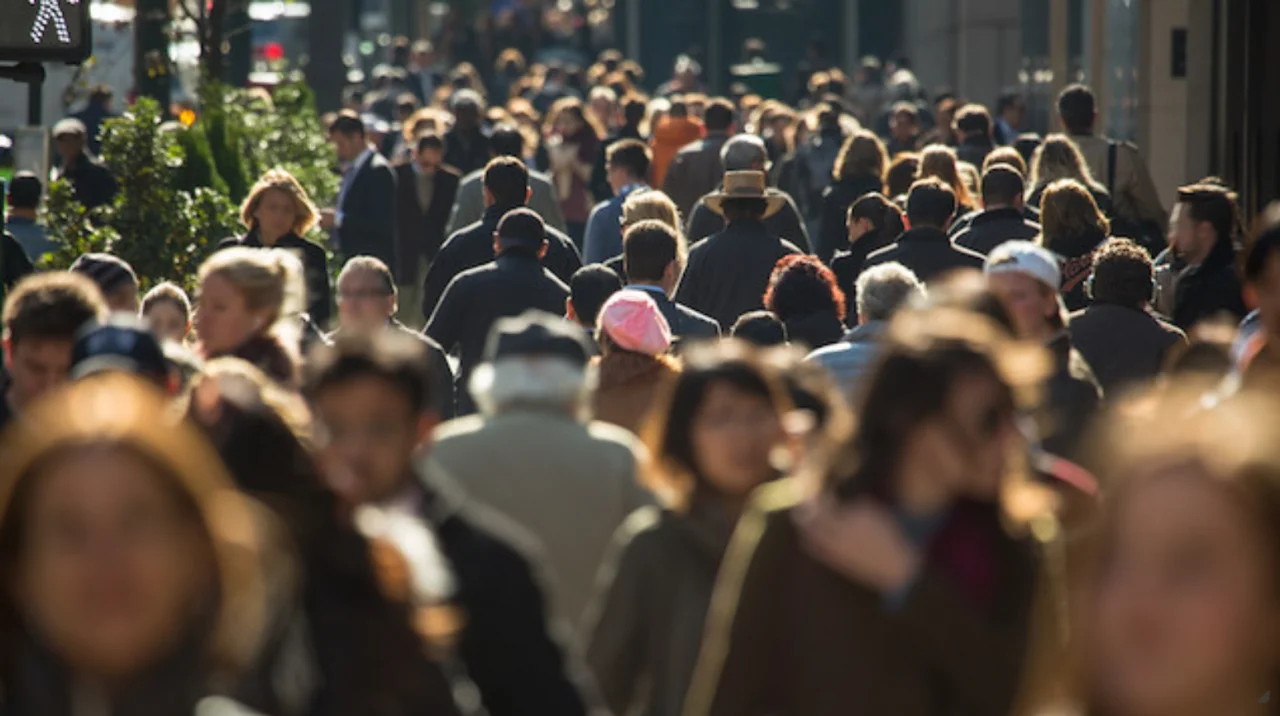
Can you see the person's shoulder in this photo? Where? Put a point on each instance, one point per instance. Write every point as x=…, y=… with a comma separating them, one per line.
x=883, y=254
x=476, y=178
x=694, y=315
x=229, y=242
x=451, y=433
x=789, y=247
x=450, y=173
x=822, y=355
x=307, y=246
x=969, y=255
x=610, y=433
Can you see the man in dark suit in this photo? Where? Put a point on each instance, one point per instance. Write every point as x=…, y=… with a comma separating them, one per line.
x=363, y=222
x=506, y=187
x=425, y=190
x=925, y=249
x=650, y=251
x=512, y=283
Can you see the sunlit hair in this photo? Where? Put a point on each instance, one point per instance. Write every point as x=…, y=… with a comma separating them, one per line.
x=674, y=474
x=1232, y=443
x=901, y=173
x=1059, y=158
x=1006, y=156
x=940, y=161
x=654, y=205
x=800, y=285
x=1067, y=211
x=170, y=293
x=287, y=405
x=120, y=412
x=533, y=383
x=573, y=107
x=268, y=279
x=863, y=154
x=305, y=214
x=925, y=354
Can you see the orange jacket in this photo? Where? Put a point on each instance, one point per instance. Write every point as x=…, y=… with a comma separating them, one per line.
x=671, y=134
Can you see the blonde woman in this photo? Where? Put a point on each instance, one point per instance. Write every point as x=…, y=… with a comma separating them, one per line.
x=652, y=205
x=250, y=307
x=278, y=214
x=1059, y=158
x=941, y=162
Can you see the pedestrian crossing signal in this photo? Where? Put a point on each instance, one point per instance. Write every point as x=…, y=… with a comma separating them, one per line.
x=45, y=31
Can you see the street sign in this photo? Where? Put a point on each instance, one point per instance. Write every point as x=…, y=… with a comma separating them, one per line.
x=45, y=31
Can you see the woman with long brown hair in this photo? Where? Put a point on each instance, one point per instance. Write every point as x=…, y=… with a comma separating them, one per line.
x=859, y=170
x=134, y=573
x=573, y=138
x=712, y=438
x=1073, y=227
x=890, y=582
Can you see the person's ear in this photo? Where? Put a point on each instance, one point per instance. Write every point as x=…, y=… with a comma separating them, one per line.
x=528, y=194
x=569, y=313
x=8, y=350
x=672, y=271
x=497, y=244
x=542, y=250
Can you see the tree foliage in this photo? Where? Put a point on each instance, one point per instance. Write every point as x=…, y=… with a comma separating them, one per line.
x=179, y=186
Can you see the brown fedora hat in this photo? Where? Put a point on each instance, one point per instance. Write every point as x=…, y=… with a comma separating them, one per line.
x=745, y=185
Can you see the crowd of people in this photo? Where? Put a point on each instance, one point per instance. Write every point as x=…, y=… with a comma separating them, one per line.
x=672, y=405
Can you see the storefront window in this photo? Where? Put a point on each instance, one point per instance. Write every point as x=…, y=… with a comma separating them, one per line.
x=1121, y=64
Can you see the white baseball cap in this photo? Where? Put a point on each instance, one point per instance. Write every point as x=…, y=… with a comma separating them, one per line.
x=1026, y=258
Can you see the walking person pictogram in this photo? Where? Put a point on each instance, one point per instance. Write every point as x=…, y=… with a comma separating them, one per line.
x=51, y=11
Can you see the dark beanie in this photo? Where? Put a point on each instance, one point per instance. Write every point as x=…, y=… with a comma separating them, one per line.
x=522, y=227
x=109, y=272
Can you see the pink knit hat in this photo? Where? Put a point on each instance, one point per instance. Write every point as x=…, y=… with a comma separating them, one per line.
x=634, y=322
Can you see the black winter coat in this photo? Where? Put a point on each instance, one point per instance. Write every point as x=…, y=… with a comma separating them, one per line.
x=1076, y=253
x=1210, y=289
x=511, y=284
x=15, y=263
x=472, y=246
x=369, y=214
x=1073, y=399
x=728, y=273
x=704, y=222
x=833, y=232
x=686, y=324
x=93, y=184
x=1123, y=345
x=927, y=252
x=814, y=330
x=506, y=643
x=988, y=229
x=421, y=233
x=315, y=266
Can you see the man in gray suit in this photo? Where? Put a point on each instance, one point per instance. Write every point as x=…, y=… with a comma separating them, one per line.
x=468, y=208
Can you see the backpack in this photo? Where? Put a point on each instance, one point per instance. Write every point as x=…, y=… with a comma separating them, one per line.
x=1147, y=233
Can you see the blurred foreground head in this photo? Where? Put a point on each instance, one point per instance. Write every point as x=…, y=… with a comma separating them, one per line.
x=126, y=552
x=1179, y=607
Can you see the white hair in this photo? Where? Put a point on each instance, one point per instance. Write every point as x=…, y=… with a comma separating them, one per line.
x=743, y=152
x=602, y=92
x=539, y=382
x=883, y=289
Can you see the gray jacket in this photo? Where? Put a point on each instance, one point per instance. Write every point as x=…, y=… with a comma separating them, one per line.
x=850, y=361
x=570, y=485
x=468, y=207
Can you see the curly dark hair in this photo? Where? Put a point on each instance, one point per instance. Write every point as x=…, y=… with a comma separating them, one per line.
x=800, y=285
x=1122, y=274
